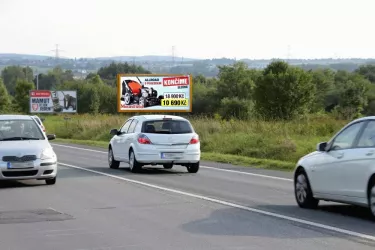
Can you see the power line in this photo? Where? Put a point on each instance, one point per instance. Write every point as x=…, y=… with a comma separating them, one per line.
x=57, y=52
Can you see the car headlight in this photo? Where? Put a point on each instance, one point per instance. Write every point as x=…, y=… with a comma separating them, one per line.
x=47, y=154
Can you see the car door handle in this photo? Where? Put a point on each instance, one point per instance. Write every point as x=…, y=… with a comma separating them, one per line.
x=370, y=152
x=339, y=156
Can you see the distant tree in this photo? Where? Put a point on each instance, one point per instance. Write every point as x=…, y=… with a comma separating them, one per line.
x=4, y=98
x=21, y=97
x=94, y=100
x=368, y=71
x=353, y=97
x=235, y=108
x=46, y=81
x=96, y=80
x=90, y=75
x=283, y=91
x=205, y=100
x=109, y=73
x=67, y=75
x=235, y=81
x=324, y=81
x=199, y=78
x=12, y=74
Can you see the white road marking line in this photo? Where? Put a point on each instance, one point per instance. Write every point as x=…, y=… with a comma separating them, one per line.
x=247, y=173
x=213, y=168
x=225, y=203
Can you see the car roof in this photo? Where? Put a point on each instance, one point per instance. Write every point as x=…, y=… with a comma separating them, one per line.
x=15, y=117
x=366, y=118
x=156, y=117
x=36, y=117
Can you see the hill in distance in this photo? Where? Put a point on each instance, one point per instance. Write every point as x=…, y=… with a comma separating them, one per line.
x=154, y=58
x=147, y=60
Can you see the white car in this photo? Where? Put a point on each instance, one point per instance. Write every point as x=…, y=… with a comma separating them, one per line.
x=25, y=151
x=340, y=170
x=155, y=140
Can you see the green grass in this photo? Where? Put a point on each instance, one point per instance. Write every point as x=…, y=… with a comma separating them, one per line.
x=208, y=156
x=274, y=145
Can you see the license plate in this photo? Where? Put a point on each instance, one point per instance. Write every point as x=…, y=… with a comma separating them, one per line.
x=171, y=155
x=20, y=165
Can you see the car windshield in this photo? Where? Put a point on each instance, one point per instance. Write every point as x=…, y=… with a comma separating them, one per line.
x=167, y=127
x=14, y=130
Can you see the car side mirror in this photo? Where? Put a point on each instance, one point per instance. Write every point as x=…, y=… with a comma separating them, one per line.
x=114, y=132
x=51, y=137
x=321, y=147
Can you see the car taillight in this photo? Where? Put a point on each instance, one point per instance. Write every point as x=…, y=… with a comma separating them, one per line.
x=143, y=139
x=194, y=140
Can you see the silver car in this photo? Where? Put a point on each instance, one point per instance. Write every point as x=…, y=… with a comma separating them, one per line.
x=25, y=151
x=155, y=139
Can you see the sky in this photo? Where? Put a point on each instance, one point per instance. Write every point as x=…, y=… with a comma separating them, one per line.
x=238, y=29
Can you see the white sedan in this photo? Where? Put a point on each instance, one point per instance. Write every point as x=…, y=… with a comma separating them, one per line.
x=340, y=170
x=155, y=140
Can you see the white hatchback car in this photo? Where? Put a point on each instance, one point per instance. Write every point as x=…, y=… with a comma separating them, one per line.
x=155, y=140
x=341, y=170
x=25, y=151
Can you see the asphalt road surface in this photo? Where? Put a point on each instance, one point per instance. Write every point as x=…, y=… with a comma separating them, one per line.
x=221, y=207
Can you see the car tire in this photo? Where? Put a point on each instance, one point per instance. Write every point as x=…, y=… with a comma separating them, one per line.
x=303, y=192
x=371, y=200
x=111, y=160
x=51, y=181
x=134, y=165
x=168, y=166
x=193, y=168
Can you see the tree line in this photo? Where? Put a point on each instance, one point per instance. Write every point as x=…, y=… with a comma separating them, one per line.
x=279, y=91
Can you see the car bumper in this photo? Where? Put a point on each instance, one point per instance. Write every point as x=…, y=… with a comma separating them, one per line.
x=147, y=157
x=39, y=170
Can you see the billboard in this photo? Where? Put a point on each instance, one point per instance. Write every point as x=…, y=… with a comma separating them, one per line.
x=50, y=101
x=154, y=93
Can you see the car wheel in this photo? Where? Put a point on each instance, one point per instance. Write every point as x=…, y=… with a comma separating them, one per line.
x=168, y=166
x=51, y=181
x=134, y=165
x=127, y=99
x=111, y=161
x=371, y=200
x=193, y=167
x=303, y=192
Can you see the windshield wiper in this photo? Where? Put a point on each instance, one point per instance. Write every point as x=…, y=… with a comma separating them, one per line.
x=18, y=138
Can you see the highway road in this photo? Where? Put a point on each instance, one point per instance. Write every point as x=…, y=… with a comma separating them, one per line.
x=220, y=207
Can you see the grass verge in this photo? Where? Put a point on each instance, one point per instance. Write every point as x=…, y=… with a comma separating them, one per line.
x=208, y=156
x=257, y=143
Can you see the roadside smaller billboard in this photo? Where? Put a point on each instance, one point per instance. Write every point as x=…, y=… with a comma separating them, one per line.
x=154, y=93
x=50, y=101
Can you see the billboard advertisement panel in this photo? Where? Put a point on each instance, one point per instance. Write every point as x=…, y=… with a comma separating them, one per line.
x=50, y=101
x=154, y=93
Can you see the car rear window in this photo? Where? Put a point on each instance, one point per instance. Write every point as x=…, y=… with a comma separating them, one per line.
x=167, y=127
